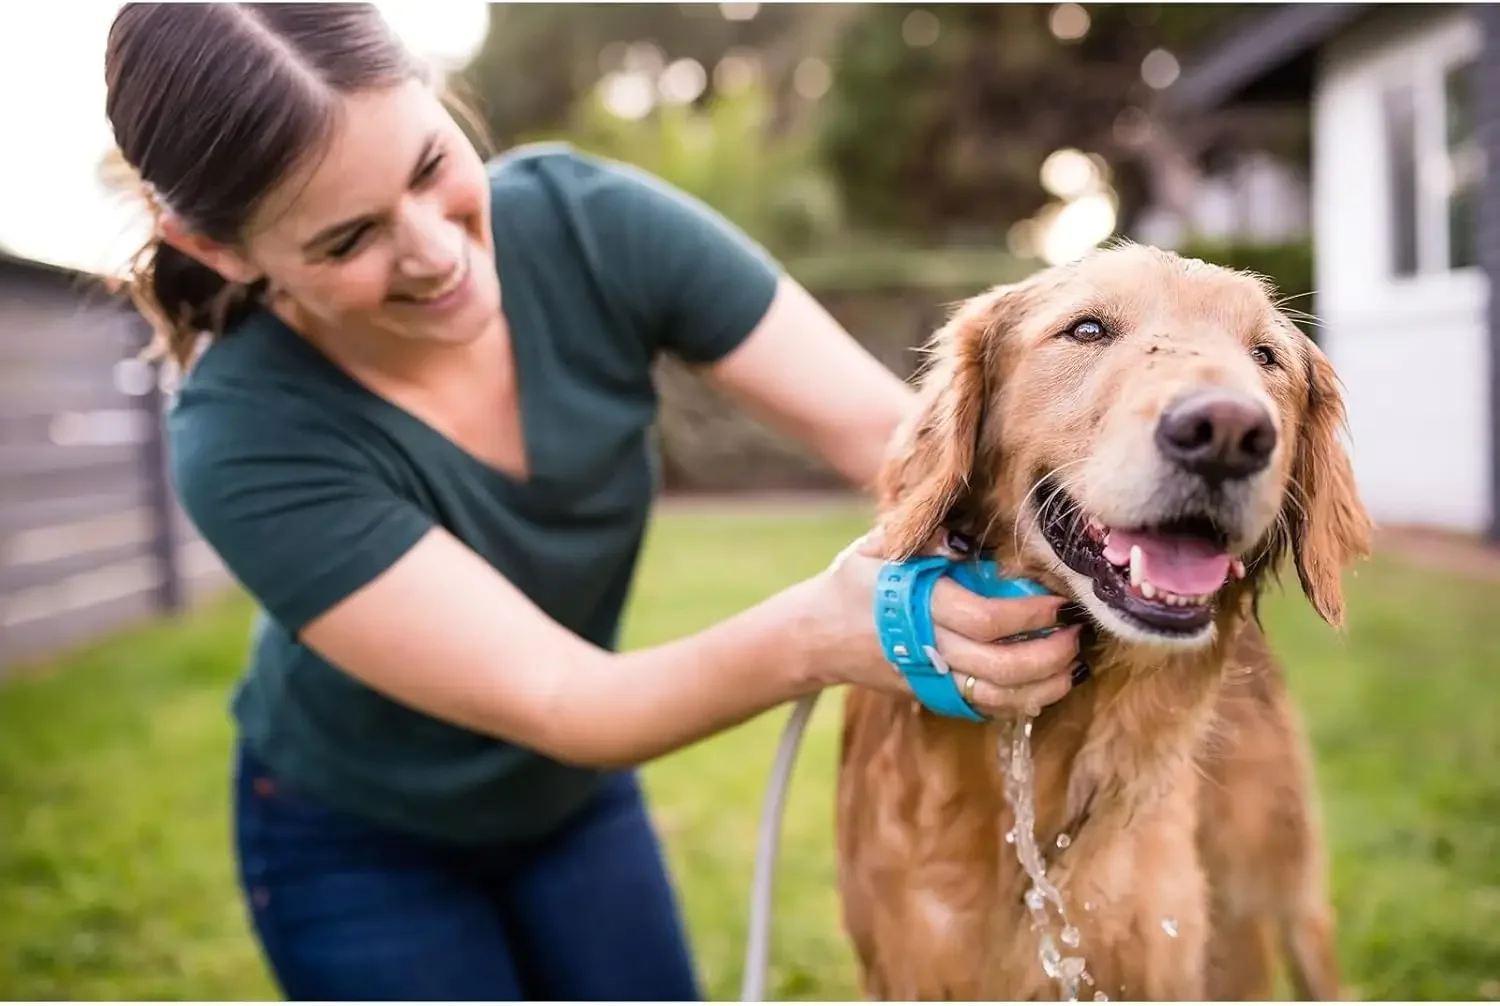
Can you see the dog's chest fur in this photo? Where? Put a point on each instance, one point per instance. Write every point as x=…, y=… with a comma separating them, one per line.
x=947, y=887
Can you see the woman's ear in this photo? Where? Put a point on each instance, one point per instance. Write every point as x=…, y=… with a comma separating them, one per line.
x=221, y=258
x=932, y=454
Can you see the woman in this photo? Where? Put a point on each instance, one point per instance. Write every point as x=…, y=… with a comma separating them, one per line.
x=418, y=436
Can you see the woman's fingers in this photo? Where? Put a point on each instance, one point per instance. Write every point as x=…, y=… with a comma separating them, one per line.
x=989, y=618
x=1010, y=665
x=1030, y=699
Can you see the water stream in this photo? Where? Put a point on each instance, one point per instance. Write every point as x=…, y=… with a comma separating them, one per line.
x=1068, y=970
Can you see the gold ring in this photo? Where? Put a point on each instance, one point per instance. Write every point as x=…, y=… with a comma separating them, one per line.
x=968, y=689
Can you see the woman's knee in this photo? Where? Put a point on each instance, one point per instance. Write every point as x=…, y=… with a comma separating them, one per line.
x=596, y=914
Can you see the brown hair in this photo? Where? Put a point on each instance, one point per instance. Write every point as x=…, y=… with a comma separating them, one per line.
x=212, y=106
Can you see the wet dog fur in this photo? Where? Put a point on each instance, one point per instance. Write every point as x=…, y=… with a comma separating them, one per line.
x=1179, y=770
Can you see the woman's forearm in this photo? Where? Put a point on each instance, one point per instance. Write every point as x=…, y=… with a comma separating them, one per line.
x=628, y=708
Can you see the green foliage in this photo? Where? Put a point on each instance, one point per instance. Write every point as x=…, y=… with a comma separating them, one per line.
x=940, y=272
x=724, y=152
x=116, y=877
x=1289, y=265
x=940, y=115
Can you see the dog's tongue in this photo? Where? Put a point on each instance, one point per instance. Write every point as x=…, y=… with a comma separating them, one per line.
x=1178, y=565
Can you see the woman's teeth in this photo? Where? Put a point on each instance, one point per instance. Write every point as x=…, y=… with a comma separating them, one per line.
x=447, y=288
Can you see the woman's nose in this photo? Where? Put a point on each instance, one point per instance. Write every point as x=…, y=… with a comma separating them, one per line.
x=430, y=243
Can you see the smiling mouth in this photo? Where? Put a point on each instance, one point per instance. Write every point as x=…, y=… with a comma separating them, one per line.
x=1164, y=578
x=454, y=281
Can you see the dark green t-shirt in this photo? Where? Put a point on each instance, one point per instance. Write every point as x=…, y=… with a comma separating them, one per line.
x=307, y=485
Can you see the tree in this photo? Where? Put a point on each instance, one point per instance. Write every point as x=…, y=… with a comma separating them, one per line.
x=940, y=116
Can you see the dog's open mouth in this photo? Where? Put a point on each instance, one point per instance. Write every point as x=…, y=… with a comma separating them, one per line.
x=1164, y=577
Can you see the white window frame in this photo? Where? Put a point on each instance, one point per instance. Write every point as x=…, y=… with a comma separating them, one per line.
x=1423, y=64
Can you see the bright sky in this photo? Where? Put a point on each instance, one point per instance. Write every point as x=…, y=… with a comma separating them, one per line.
x=52, y=205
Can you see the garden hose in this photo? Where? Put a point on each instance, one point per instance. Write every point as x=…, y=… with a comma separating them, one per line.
x=762, y=884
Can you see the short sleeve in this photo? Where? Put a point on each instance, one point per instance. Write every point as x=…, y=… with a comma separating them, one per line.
x=697, y=281
x=294, y=510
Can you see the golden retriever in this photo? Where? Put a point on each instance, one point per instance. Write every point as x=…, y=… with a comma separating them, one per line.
x=1150, y=436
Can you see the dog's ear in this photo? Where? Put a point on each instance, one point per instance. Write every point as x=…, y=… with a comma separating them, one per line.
x=932, y=455
x=1330, y=527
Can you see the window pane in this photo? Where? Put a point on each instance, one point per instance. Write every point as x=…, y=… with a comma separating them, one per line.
x=1465, y=165
x=1401, y=157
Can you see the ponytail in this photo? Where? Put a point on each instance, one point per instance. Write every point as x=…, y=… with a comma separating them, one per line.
x=185, y=301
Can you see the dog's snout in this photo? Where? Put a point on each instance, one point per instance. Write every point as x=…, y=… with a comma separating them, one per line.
x=1216, y=434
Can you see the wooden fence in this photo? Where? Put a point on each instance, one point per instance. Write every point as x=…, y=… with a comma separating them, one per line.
x=91, y=539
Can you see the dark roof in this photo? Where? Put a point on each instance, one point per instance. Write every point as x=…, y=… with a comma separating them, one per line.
x=13, y=259
x=1268, y=57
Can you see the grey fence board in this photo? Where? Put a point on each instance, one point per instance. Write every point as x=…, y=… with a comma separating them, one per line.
x=38, y=639
x=21, y=577
x=116, y=476
x=49, y=512
x=83, y=392
x=22, y=462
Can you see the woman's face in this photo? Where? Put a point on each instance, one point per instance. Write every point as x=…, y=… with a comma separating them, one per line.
x=388, y=233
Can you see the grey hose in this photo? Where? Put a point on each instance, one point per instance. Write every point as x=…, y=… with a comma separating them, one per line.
x=763, y=883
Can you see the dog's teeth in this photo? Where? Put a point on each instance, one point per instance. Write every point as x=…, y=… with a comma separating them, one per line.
x=1137, y=562
x=1148, y=591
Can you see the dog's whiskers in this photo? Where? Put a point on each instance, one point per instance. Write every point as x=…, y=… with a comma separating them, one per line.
x=1015, y=530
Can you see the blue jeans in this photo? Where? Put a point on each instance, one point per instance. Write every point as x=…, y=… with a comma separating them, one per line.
x=347, y=909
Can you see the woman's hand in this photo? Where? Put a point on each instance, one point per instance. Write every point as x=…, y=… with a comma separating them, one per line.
x=1009, y=677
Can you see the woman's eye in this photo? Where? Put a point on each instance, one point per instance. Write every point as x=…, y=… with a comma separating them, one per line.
x=1087, y=330
x=347, y=247
x=429, y=169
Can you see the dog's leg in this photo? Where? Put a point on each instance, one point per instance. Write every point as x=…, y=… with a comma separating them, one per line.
x=1307, y=940
x=1241, y=956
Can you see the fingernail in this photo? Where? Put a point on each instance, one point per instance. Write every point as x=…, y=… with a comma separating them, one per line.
x=1079, y=673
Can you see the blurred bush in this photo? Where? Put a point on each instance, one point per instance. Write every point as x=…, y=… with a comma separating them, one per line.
x=890, y=299
x=1288, y=265
x=725, y=152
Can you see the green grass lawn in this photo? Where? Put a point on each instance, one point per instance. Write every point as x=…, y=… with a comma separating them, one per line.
x=115, y=872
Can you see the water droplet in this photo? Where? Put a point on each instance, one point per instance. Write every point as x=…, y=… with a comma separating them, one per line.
x=1072, y=968
x=1100, y=997
x=1064, y=840
x=1070, y=936
x=1035, y=900
x=1169, y=926
x=1088, y=906
x=1010, y=837
x=1052, y=962
x=1028, y=728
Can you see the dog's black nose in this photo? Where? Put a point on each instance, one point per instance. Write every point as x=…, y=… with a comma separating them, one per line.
x=1217, y=434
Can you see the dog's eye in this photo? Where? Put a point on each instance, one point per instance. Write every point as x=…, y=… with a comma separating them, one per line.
x=1087, y=330
x=1264, y=356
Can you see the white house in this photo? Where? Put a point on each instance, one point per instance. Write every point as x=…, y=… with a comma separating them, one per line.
x=1405, y=104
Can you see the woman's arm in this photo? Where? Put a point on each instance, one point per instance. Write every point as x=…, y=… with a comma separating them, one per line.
x=442, y=632
x=801, y=372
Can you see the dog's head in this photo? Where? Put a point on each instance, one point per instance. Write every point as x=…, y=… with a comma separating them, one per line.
x=1151, y=430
